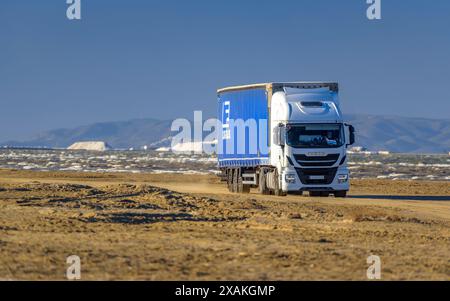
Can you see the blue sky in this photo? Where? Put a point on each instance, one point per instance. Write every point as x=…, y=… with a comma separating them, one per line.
x=164, y=59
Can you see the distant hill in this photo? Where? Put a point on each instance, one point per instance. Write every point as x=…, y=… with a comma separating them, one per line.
x=122, y=134
x=401, y=134
x=395, y=134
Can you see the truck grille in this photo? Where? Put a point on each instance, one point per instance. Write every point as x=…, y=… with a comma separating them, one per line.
x=324, y=176
x=327, y=160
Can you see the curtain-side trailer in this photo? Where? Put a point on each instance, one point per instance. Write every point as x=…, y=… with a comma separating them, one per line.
x=284, y=138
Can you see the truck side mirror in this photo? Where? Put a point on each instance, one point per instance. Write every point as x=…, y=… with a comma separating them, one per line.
x=351, y=131
x=352, y=135
x=279, y=135
x=282, y=135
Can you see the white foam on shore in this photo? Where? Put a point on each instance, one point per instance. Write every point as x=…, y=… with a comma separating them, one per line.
x=393, y=166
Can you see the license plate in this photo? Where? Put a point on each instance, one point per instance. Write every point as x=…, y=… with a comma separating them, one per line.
x=317, y=177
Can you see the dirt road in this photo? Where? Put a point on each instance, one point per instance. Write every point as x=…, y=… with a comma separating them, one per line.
x=188, y=227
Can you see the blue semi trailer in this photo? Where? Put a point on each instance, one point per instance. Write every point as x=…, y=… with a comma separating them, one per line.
x=284, y=138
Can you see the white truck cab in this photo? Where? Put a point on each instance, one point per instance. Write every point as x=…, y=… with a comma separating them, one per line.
x=309, y=141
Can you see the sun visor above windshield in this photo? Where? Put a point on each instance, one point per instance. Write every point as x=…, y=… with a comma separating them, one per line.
x=318, y=94
x=293, y=91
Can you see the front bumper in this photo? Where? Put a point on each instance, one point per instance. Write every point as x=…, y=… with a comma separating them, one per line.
x=311, y=179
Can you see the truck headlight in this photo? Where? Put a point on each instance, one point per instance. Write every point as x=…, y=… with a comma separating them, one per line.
x=289, y=178
x=342, y=178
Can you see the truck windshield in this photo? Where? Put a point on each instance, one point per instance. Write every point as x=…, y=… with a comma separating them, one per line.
x=315, y=135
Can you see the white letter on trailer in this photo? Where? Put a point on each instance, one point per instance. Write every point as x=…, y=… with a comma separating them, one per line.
x=226, y=134
x=374, y=10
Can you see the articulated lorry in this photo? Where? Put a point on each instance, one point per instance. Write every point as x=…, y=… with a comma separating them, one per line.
x=284, y=138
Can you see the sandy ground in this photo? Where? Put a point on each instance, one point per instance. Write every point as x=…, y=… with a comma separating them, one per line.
x=188, y=227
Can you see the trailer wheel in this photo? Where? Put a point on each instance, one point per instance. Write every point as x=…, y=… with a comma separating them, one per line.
x=340, y=194
x=262, y=183
x=235, y=181
x=230, y=180
x=239, y=180
x=241, y=188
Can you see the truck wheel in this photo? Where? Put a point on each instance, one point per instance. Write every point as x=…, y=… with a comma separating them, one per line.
x=340, y=194
x=241, y=188
x=262, y=183
x=278, y=191
x=235, y=181
x=230, y=180
x=324, y=194
x=314, y=193
x=240, y=185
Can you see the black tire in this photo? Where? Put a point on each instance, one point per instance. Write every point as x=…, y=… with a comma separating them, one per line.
x=278, y=191
x=324, y=194
x=314, y=193
x=241, y=187
x=262, y=183
x=230, y=180
x=235, y=181
x=340, y=194
x=239, y=179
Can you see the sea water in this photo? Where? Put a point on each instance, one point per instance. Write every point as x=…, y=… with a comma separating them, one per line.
x=367, y=165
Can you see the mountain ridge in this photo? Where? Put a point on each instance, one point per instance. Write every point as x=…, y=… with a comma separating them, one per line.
x=375, y=132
